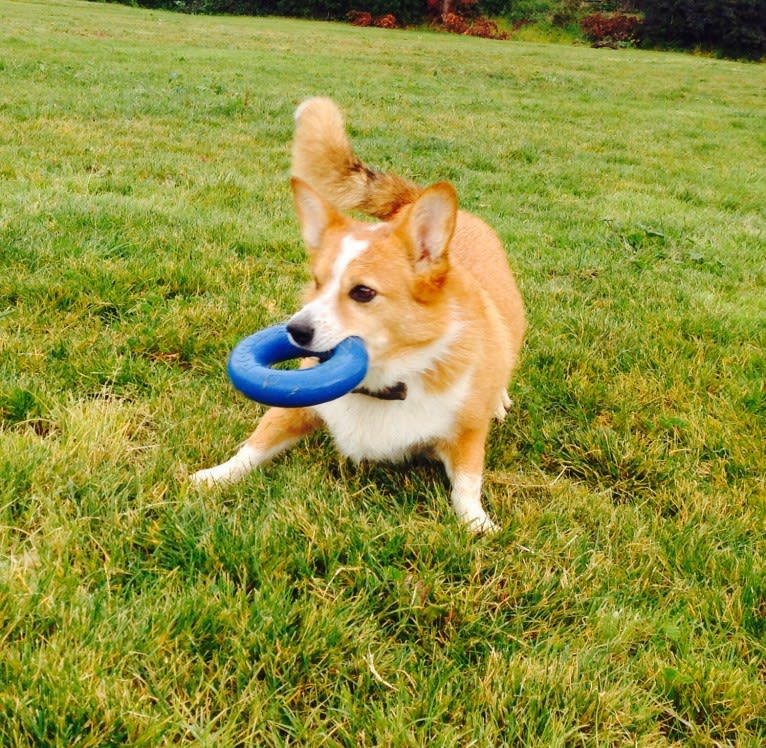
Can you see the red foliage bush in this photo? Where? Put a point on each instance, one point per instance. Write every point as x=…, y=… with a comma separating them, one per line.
x=363, y=18
x=462, y=19
x=456, y=23
x=359, y=18
x=611, y=29
x=386, y=22
x=438, y=8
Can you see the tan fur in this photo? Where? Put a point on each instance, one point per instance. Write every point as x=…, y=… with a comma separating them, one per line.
x=480, y=276
x=345, y=181
x=446, y=317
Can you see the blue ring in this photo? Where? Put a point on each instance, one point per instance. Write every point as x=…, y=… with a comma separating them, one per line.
x=250, y=370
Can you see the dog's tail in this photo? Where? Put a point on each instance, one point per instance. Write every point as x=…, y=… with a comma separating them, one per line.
x=323, y=157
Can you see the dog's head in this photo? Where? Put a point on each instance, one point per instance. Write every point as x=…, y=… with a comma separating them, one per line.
x=381, y=282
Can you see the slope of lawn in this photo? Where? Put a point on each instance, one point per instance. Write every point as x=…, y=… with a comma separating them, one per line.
x=146, y=225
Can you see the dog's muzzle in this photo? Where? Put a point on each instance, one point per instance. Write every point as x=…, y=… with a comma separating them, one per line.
x=301, y=332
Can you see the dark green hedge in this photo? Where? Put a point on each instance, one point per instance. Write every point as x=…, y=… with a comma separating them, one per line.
x=406, y=11
x=736, y=28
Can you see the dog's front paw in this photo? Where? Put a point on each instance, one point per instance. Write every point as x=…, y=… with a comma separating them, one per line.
x=207, y=478
x=476, y=521
x=228, y=472
x=480, y=525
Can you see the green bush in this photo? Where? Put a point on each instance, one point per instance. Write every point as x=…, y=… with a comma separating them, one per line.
x=527, y=10
x=406, y=11
x=611, y=29
x=736, y=28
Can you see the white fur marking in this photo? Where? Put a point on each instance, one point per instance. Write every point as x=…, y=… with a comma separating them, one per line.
x=322, y=312
x=466, y=500
x=350, y=249
x=237, y=467
x=299, y=109
x=503, y=406
x=365, y=428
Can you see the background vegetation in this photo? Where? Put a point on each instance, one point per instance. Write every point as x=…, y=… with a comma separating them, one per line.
x=146, y=226
x=734, y=28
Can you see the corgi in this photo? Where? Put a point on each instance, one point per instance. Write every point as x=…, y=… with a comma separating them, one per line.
x=428, y=289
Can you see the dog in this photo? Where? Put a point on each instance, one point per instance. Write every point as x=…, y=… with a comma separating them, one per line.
x=428, y=289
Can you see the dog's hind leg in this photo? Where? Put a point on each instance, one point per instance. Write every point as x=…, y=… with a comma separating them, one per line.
x=463, y=460
x=278, y=430
x=503, y=406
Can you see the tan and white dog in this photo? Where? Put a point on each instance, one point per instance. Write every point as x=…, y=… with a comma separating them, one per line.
x=429, y=291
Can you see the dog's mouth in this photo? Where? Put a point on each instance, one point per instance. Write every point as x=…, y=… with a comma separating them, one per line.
x=303, y=334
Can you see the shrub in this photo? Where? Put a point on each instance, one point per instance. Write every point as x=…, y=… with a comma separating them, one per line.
x=437, y=9
x=611, y=30
x=456, y=23
x=364, y=18
x=387, y=21
x=736, y=28
x=614, y=6
x=566, y=13
x=527, y=10
x=385, y=11
x=359, y=18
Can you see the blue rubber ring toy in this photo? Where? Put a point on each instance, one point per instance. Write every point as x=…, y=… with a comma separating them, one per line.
x=250, y=370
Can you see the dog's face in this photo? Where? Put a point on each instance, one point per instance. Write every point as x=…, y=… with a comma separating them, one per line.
x=381, y=282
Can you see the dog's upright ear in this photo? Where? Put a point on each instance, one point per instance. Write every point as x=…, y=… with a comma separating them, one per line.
x=429, y=226
x=315, y=214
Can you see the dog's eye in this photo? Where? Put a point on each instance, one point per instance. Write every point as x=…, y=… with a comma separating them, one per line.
x=362, y=294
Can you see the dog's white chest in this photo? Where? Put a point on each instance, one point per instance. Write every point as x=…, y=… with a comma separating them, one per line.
x=367, y=428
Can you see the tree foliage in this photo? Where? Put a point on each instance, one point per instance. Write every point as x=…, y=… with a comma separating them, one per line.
x=734, y=27
x=406, y=11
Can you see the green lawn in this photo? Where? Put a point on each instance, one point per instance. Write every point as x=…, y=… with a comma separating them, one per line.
x=146, y=226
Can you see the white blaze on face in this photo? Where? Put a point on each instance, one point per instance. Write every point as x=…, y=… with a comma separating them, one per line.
x=323, y=313
x=350, y=249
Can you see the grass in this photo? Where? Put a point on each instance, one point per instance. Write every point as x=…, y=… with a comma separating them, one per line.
x=146, y=226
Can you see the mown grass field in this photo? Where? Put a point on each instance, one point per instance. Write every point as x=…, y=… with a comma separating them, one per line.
x=146, y=226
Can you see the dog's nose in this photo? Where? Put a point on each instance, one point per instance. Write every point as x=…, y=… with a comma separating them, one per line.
x=302, y=333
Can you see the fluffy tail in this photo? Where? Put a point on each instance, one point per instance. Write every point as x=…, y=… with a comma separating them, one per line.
x=323, y=157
